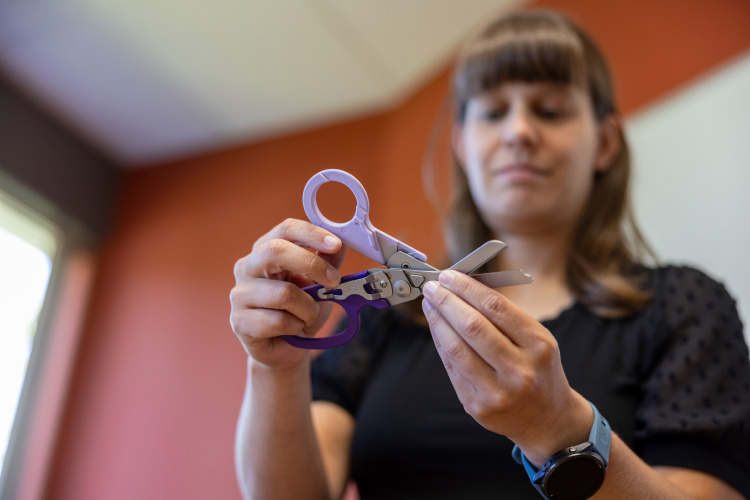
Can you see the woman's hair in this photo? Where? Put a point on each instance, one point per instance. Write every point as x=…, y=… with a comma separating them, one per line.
x=543, y=46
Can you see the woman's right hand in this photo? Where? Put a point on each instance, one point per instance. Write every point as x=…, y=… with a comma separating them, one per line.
x=267, y=299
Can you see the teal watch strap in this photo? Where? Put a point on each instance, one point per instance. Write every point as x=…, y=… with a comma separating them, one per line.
x=600, y=436
x=520, y=458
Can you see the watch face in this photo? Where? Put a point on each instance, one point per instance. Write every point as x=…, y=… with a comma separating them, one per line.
x=577, y=478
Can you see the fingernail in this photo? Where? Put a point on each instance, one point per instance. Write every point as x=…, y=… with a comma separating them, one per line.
x=427, y=305
x=331, y=242
x=333, y=275
x=447, y=277
x=429, y=288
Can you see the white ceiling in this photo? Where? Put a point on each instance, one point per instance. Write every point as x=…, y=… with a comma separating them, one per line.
x=149, y=81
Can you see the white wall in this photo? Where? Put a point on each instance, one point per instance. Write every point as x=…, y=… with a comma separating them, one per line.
x=692, y=176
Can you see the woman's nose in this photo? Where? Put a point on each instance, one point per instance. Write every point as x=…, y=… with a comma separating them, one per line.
x=519, y=129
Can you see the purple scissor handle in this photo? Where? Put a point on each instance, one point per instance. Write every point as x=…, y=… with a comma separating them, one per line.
x=352, y=305
x=362, y=236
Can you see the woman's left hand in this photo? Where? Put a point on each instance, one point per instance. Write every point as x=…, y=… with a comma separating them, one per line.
x=505, y=367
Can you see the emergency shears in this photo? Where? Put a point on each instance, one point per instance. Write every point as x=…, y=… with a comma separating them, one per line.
x=406, y=270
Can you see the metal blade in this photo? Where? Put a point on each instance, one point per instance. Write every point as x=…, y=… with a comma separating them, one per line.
x=481, y=255
x=504, y=278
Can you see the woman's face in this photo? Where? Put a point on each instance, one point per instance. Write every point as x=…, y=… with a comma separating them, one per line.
x=530, y=152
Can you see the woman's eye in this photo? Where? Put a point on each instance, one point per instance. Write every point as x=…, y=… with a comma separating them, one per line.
x=554, y=108
x=492, y=115
x=550, y=112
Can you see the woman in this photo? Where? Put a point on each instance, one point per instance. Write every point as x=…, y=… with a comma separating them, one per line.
x=412, y=410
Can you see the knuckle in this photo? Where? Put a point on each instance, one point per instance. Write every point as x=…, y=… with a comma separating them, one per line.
x=472, y=325
x=482, y=412
x=473, y=409
x=272, y=248
x=234, y=297
x=453, y=349
x=241, y=324
x=234, y=321
x=286, y=292
x=288, y=225
x=493, y=304
x=285, y=230
x=273, y=233
x=267, y=256
x=547, y=349
x=240, y=300
x=240, y=268
x=524, y=381
x=449, y=367
x=295, y=229
x=498, y=402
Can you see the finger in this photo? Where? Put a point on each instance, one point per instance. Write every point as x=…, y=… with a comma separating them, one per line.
x=277, y=258
x=515, y=324
x=482, y=379
x=479, y=333
x=335, y=259
x=276, y=295
x=455, y=354
x=263, y=324
x=308, y=235
x=304, y=234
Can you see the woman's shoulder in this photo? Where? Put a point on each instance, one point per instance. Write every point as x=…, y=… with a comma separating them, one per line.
x=675, y=275
x=691, y=305
x=684, y=287
x=694, y=375
x=687, y=306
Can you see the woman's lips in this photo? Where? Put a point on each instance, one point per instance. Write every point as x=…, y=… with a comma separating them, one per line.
x=520, y=171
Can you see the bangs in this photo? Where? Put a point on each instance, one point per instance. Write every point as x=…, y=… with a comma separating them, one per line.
x=521, y=49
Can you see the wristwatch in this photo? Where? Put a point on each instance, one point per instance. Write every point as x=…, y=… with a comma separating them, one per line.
x=577, y=472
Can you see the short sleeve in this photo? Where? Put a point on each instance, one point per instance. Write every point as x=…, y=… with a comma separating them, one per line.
x=696, y=407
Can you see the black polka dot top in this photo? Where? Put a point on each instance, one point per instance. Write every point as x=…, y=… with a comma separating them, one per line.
x=673, y=380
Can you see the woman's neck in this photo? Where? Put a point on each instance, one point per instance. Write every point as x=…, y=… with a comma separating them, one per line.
x=543, y=255
x=545, y=258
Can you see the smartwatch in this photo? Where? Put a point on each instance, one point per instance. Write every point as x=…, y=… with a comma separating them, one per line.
x=576, y=472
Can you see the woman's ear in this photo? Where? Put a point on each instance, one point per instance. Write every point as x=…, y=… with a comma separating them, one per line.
x=610, y=143
x=458, y=143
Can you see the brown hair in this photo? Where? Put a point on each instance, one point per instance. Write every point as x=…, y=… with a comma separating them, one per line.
x=544, y=46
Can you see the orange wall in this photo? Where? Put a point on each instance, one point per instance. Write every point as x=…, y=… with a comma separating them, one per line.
x=159, y=376
x=655, y=46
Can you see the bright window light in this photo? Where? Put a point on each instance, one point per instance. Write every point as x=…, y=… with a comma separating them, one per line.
x=27, y=249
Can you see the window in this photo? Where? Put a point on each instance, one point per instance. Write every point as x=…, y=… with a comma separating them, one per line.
x=28, y=245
